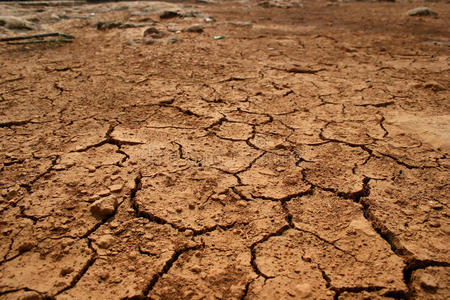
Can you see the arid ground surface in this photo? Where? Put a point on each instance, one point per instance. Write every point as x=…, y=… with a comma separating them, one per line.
x=304, y=155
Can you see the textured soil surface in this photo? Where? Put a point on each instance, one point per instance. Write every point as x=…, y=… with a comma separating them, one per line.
x=277, y=150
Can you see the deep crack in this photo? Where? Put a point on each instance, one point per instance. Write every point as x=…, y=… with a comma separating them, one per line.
x=166, y=268
x=279, y=232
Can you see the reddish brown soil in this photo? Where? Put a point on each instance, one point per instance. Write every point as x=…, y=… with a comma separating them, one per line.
x=306, y=155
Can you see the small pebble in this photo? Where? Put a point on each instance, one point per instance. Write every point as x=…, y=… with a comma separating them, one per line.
x=198, y=28
x=104, y=193
x=168, y=14
x=421, y=11
x=105, y=241
x=66, y=271
x=104, y=207
x=196, y=269
x=104, y=275
x=115, y=188
x=242, y=203
x=26, y=246
x=154, y=33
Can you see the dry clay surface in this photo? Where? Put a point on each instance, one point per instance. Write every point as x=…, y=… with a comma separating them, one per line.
x=303, y=154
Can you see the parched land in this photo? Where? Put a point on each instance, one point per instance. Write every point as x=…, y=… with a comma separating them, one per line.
x=225, y=150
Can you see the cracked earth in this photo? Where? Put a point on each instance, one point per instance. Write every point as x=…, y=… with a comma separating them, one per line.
x=304, y=155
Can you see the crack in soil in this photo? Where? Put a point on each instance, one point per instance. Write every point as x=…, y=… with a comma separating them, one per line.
x=41, y=295
x=14, y=123
x=155, y=219
x=246, y=290
x=82, y=272
x=166, y=268
x=331, y=243
x=279, y=232
x=108, y=139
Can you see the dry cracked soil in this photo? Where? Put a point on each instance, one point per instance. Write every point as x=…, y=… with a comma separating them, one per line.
x=225, y=150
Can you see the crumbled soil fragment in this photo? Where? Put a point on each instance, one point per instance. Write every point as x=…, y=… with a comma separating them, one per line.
x=431, y=283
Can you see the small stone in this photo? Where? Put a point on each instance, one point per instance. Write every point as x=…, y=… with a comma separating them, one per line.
x=360, y=224
x=104, y=207
x=93, y=198
x=104, y=275
x=91, y=169
x=114, y=224
x=168, y=14
x=64, y=164
x=115, y=188
x=154, y=33
x=421, y=11
x=104, y=193
x=115, y=177
x=196, y=269
x=307, y=258
x=241, y=24
x=434, y=86
x=279, y=4
x=11, y=194
x=436, y=206
x=16, y=23
x=66, y=271
x=191, y=206
x=179, y=210
x=428, y=282
x=434, y=224
x=128, y=25
x=302, y=290
x=6, y=231
x=221, y=197
x=26, y=246
x=133, y=255
x=190, y=14
x=107, y=25
x=198, y=28
x=105, y=241
x=242, y=203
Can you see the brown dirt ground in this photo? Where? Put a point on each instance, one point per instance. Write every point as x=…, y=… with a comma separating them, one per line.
x=306, y=155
